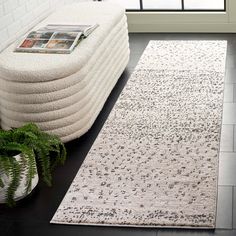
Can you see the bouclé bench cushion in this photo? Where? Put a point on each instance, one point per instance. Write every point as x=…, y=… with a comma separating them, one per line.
x=64, y=93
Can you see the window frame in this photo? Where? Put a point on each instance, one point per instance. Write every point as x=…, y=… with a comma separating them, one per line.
x=184, y=21
x=176, y=10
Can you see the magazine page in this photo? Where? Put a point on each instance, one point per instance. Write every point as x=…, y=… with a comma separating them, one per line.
x=47, y=41
x=86, y=29
x=55, y=38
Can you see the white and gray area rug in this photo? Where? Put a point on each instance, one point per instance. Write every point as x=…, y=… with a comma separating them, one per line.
x=155, y=161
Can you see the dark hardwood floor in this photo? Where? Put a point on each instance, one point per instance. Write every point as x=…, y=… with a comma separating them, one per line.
x=31, y=216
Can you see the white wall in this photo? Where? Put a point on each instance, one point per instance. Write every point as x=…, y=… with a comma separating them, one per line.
x=18, y=16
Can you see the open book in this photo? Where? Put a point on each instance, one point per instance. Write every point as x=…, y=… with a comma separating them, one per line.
x=55, y=38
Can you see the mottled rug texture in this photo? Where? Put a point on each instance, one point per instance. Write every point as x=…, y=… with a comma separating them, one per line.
x=155, y=161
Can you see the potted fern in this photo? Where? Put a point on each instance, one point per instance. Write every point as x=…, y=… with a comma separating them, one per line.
x=22, y=151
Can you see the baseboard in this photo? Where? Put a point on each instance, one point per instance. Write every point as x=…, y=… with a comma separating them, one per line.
x=183, y=28
x=210, y=22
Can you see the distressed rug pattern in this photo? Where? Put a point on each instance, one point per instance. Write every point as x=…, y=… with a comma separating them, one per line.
x=155, y=161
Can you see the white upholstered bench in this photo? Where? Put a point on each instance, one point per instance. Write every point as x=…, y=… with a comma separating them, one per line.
x=64, y=93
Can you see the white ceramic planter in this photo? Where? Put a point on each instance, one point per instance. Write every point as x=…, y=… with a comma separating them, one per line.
x=20, y=192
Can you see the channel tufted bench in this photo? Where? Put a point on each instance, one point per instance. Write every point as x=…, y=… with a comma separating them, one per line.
x=64, y=93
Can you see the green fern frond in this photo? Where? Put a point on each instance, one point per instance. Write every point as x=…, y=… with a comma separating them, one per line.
x=1, y=184
x=32, y=143
x=15, y=180
x=44, y=165
x=31, y=170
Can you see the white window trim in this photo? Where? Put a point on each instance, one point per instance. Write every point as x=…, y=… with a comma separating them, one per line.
x=224, y=22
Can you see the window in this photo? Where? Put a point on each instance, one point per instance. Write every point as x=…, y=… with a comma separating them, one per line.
x=128, y=4
x=162, y=4
x=172, y=5
x=204, y=4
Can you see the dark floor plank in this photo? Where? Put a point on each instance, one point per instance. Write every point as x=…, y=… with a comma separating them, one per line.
x=231, y=61
x=229, y=113
x=230, y=75
x=138, y=48
x=234, y=208
x=185, y=232
x=226, y=141
x=225, y=233
x=46, y=229
x=229, y=93
x=134, y=58
x=224, y=218
x=227, y=167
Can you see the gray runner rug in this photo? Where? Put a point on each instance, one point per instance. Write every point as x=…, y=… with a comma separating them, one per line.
x=155, y=161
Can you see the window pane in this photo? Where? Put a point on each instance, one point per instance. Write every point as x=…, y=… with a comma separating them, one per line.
x=128, y=4
x=162, y=4
x=204, y=4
